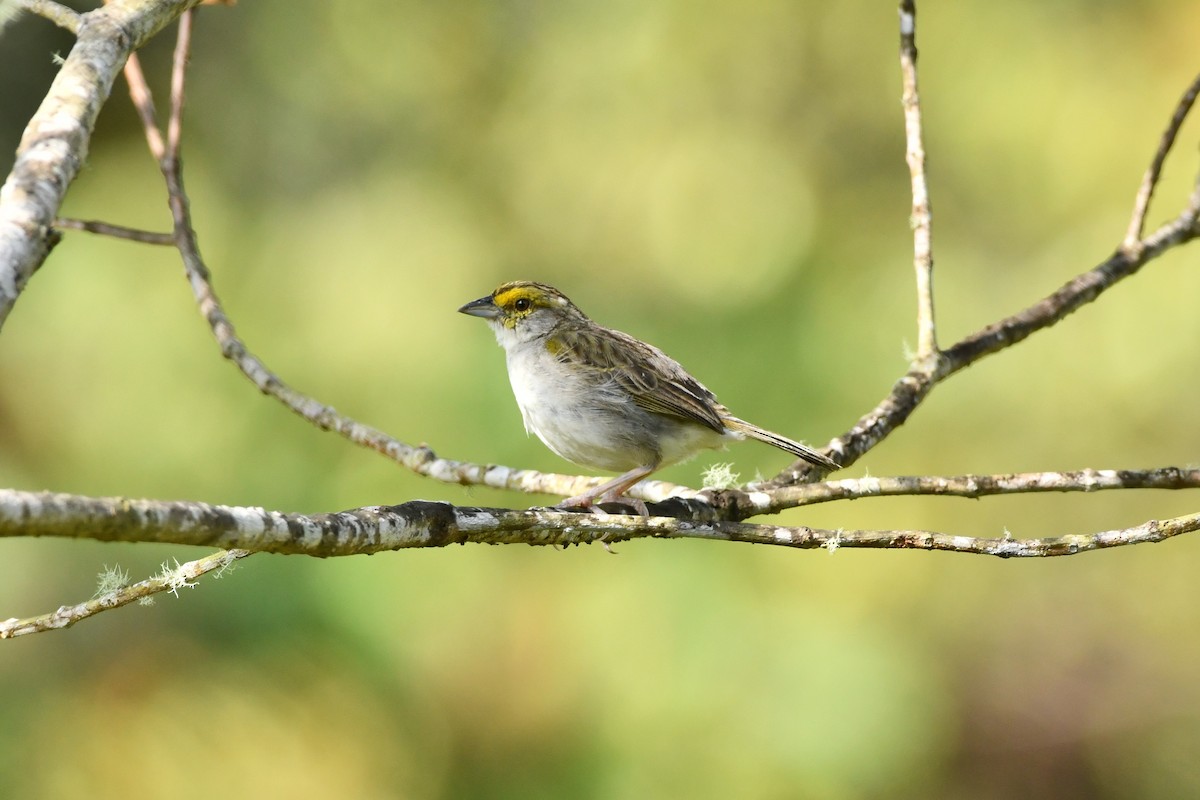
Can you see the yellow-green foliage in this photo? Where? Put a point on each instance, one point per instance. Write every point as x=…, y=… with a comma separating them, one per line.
x=725, y=180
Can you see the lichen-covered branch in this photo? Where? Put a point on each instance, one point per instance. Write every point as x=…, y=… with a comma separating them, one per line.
x=170, y=579
x=364, y=530
x=428, y=524
x=55, y=143
x=974, y=486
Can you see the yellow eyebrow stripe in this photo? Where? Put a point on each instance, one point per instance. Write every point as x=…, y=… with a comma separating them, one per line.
x=510, y=296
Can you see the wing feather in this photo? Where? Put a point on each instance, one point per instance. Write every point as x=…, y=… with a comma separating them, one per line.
x=656, y=381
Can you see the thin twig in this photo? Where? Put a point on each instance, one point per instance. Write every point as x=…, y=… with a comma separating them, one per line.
x=1072, y=295
x=179, y=62
x=1141, y=204
x=118, y=231
x=974, y=486
x=139, y=92
x=891, y=412
x=171, y=579
x=60, y=15
x=914, y=153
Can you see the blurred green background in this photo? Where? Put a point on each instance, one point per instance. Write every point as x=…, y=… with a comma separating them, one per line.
x=727, y=181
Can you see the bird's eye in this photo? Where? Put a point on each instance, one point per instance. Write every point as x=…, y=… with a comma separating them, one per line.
x=522, y=304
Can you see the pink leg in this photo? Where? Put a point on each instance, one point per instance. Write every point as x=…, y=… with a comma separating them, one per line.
x=611, y=491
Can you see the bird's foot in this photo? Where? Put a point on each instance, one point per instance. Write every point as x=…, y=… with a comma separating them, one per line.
x=589, y=502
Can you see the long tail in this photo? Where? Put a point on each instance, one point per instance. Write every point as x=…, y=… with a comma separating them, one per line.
x=782, y=442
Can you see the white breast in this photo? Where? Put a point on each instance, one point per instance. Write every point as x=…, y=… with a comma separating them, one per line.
x=580, y=420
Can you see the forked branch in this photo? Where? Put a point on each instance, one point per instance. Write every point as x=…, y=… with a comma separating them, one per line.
x=55, y=143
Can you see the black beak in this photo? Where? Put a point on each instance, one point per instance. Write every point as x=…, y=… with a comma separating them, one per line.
x=483, y=307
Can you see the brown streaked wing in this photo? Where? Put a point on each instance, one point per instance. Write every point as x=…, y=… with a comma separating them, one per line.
x=656, y=381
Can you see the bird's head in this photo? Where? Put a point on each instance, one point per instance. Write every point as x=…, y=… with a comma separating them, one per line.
x=523, y=311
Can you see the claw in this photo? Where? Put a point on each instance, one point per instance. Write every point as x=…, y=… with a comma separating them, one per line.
x=631, y=502
x=579, y=503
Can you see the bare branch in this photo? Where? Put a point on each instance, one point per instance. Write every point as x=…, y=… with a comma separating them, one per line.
x=1141, y=203
x=143, y=102
x=921, y=218
x=171, y=579
x=179, y=62
x=55, y=142
x=874, y=426
x=60, y=15
x=1077, y=292
x=117, y=231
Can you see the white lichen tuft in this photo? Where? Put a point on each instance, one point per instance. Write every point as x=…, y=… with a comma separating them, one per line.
x=175, y=578
x=110, y=580
x=720, y=476
x=227, y=567
x=834, y=542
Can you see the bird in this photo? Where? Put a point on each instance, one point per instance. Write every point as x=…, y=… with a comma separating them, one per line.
x=605, y=400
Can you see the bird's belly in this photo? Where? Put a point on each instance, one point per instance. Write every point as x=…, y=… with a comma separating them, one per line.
x=600, y=426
